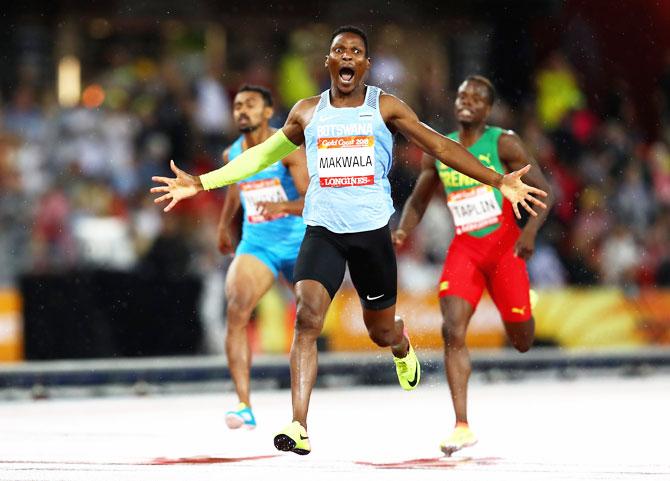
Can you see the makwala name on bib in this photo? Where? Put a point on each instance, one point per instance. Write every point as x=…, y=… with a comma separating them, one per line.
x=346, y=155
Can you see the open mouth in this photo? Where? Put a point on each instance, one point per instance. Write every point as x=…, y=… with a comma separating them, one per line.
x=346, y=74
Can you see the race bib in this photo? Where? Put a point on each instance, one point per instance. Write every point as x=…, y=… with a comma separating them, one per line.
x=474, y=208
x=265, y=190
x=346, y=161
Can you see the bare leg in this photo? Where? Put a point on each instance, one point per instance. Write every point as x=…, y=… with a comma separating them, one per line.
x=386, y=330
x=313, y=301
x=456, y=313
x=247, y=280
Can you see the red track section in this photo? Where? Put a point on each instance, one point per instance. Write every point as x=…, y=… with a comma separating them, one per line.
x=433, y=463
x=208, y=460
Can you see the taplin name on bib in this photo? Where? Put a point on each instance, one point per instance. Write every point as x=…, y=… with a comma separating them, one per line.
x=264, y=190
x=346, y=161
x=474, y=208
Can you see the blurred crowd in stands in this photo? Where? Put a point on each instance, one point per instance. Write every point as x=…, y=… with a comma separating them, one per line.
x=74, y=181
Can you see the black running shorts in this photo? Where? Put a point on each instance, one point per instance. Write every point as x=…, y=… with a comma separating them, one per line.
x=324, y=256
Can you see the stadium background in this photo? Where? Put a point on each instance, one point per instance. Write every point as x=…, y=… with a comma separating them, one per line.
x=96, y=98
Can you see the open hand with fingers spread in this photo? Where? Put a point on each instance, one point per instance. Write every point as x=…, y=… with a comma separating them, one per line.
x=181, y=187
x=513, y=188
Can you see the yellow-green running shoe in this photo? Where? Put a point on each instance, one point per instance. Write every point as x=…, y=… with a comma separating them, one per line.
x=293, y=438
x=461, y=437
x=408, y=370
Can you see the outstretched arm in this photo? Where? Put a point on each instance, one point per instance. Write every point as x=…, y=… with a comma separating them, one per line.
x=417, y=203
x=513, y=153
x=251, y=161
x=402, y=118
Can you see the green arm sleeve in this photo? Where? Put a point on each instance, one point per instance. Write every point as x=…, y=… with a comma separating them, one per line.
x=250, y=162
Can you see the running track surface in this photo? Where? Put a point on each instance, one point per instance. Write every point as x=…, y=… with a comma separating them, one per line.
x=607, y=428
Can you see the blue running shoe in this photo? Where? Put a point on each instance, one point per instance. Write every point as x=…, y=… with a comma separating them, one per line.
x=241, y=417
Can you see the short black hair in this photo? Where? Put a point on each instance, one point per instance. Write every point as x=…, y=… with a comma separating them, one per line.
x=265, y=93
x=486, y=83
x=355, y=30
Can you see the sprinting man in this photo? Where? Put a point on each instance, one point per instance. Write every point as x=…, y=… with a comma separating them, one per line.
x=272, y=231
x=489, y=250
x=348, y=134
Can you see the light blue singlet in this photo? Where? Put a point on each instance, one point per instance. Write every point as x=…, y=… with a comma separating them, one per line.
x=349, y=156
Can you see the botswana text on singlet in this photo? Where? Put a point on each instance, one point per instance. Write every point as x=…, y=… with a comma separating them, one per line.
x=346, y=155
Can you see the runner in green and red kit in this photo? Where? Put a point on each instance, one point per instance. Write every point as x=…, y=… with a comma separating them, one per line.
x=489, y=249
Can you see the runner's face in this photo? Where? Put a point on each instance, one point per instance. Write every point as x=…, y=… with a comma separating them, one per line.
x=250, y=111
x=347, y=62
x=472, y=103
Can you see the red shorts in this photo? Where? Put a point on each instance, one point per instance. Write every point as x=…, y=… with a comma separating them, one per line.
x=474, y=263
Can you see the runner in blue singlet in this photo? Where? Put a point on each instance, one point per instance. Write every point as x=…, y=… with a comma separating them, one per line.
x=272, y=231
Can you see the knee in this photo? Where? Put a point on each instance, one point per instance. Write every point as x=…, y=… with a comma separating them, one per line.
x=453, y=332
x=521, y=334
x=238, y=312
x=308, y=319
x=382, y=337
